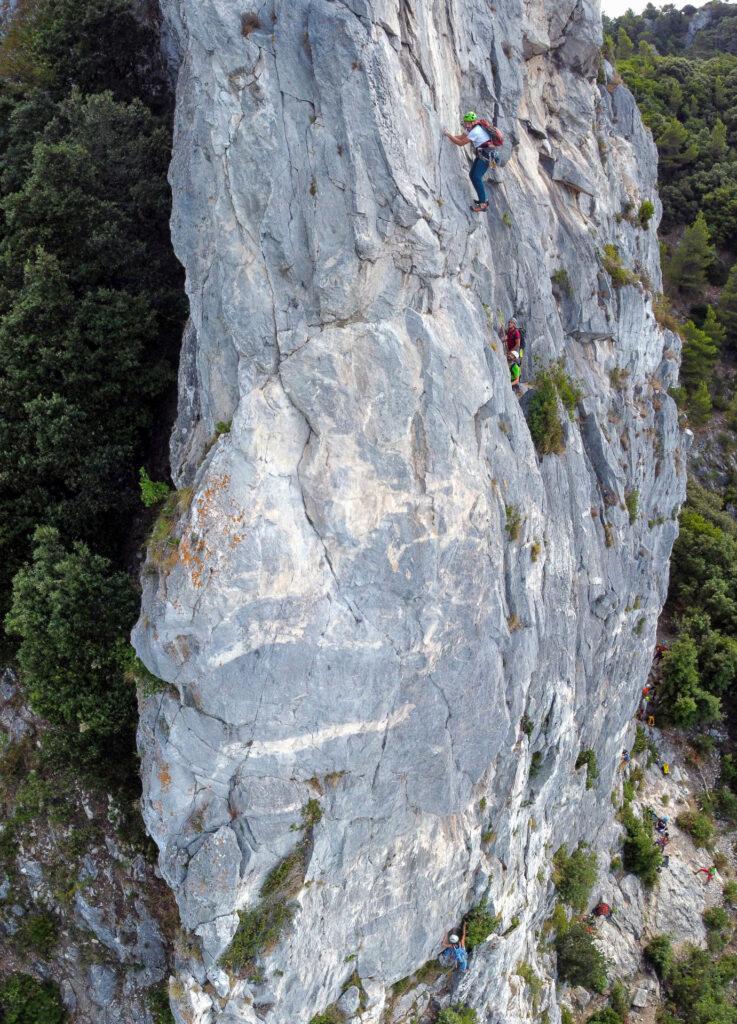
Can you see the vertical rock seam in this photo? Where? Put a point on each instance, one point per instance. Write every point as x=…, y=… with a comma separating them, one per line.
x=375, y=576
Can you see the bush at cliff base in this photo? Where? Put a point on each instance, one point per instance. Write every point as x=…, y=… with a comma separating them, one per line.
x=580, y=962
x=23, y=1000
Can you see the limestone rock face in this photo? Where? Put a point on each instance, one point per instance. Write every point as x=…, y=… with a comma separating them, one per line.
x=375, y=577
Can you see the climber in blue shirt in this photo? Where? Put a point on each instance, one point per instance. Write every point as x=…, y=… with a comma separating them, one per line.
x=453, y=952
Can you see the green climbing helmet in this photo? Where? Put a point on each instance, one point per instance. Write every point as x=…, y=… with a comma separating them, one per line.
x=469, y=117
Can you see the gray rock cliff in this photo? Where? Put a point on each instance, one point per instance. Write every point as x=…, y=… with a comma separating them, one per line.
x=347, y=610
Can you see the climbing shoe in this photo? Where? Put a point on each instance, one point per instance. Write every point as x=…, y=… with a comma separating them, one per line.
x=479, y=207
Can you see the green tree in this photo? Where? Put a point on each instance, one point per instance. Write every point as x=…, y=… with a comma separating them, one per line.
x=90, y=44
x=692, y=258
x=717, y=147
x=727, y=309
x=681, y=691
x=659, y=953
x=625, y=47
x=676, y=148
x=580, y=962
x=699, y=405
x=574, y=875
x=700, y=354
x=23, y=1000
x=68, y=439
x=73, y=614
x=714, y=328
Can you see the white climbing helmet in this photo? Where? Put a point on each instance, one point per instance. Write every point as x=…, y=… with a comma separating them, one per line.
x=514, y=354
x=453, y=938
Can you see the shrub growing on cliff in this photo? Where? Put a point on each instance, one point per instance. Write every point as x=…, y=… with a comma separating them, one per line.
x=588, y=758
x=23, y=1000
x=480, y=924
x=458, y=1014
x=574, y=875
x=611, y=261
x=659, y=954
x=699, y=826
x=683, y=698
x=543, y=417
x=645, y=213
x=73, y=671
x=606, y=1015
x=641, y=856
x=580, y=962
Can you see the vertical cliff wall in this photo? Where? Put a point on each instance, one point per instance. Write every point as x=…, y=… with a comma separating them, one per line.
x=346, y=610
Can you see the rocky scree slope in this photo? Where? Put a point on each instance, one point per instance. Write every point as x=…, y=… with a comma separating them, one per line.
x=374, y=577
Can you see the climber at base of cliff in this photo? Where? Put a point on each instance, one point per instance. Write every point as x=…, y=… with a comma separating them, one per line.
x=484, y=137
x=453, y=951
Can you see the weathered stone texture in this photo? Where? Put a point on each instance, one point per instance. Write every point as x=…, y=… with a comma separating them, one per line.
x=346, y=614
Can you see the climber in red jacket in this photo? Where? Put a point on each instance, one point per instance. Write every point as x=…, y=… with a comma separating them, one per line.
x=513, y=335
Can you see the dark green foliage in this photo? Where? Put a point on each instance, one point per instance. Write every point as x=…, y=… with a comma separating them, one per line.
x=640, y=744
x=579, y=960
x=73, y=673
x=659, y=954
x=730, y=893
x=543, y=417
x=258, y=931
x=37, y=933
x=158, y=1004
x=700, y=353
x=458, y=1014
x=699, y=405
x=640, y=854
x=91, y=301
x=330, y=1015
x=574, y=875
x=536, y=764
x=23, y=1000
x=716, y=918
x=90, y=44
x=480, y=924
x=699, y=826
x=620, y=999
x=606, y=1015
x=699, y=986
x=588, y=758
x=727, y=308
x=688, y=267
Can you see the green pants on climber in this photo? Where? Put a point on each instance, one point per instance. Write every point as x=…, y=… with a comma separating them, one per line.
x=485, y=138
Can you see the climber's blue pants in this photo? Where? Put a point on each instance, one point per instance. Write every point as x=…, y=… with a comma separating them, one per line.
x=478, y=169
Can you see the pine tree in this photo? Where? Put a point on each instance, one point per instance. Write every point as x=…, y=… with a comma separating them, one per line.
x=728, y=307
x=699, y=405
x=714, y=328
x=693, y=256
x=676, y=147
x=700, y=354
x=625, y=46
x=717, y=148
